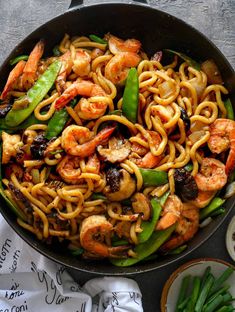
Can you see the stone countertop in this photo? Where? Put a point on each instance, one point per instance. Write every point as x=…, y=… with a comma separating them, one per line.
x=214, y=18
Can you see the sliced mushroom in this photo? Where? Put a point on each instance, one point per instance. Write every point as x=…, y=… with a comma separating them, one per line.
x=212, y=71
x=117, y=151
x=127, y=186
x=141, y=204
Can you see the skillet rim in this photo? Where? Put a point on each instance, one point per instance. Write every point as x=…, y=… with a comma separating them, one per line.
x=115, y=271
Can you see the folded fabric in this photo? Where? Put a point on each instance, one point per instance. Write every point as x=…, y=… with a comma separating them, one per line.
x=29, y=282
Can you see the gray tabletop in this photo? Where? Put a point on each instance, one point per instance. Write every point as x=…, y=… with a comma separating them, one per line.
x=214, y=18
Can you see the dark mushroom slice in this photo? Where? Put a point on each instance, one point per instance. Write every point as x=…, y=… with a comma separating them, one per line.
x=38, y=146
x=184, y=116
x=126, y=187
x=210, y=68
x=185, y=185
x=141, y=205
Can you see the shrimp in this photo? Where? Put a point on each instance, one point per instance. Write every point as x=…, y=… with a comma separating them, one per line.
x=222, y=138
x=186, y=228
x=93, y=164
x=118, y=67
x=30, y=70
x=171, y=212
x=149, y=160
x=12, y=78
x=212, y=175
x=69, y=169
x=94, y=230
x=203, y=199
x=117, y=45
x=78, y=141
x=85, y=109
x=65, y=70
x=81, y=64
x=10, y=146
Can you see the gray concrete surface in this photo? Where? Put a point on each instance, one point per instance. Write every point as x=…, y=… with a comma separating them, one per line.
x=214, y=18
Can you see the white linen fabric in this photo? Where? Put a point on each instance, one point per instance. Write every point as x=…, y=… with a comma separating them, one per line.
x=29, y=282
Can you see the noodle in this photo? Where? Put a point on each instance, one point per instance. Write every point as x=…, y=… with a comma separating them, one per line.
x=85, y=172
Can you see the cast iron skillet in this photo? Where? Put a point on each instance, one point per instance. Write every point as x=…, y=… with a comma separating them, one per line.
x=156, y=30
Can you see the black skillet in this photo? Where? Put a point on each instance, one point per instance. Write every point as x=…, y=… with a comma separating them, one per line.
x=156, y=30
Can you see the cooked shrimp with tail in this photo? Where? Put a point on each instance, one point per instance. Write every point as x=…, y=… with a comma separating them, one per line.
x=78, y=141
x=93, y=231
x=222, y=138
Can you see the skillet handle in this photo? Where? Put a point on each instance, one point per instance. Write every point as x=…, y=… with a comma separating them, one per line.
x=75, y=3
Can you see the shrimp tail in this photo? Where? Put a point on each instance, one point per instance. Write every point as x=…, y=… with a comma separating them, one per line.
x=230, y=163
x=30, y=70
x=102, y=137
x=13, y=76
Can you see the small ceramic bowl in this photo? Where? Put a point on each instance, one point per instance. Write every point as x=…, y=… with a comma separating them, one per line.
x=230, y=238
x=195, y=267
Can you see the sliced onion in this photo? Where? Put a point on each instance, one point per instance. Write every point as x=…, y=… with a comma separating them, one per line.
x=230, y=190
x=196, y=136
x=166, y=89
x=205, y=222
x=197, y=126
x=199, y=87
x=230, y=242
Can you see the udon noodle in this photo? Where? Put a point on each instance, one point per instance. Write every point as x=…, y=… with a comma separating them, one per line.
x=87, y=174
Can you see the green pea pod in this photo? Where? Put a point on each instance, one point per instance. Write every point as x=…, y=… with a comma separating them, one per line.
x=229, y=107
x=31, y=120
x=120, y=242
x=152, y=177
x=96, y=196
x=208, y=210
x=97, y=39
x=34, y=95
x=149, y=226
x=163, y=198
x=18, y=58
x=131, y=96
x=147, y=248
x=177, y=250
x=189, y=167
x=16, y=210
x=57, y=122
x=186, y=58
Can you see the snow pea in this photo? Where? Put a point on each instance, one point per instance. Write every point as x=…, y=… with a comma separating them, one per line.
x=57, y=122
x=229, y=107
x=213, y=206
x=97, y=39
x=131, y=96
x=152, y=177
x=18, y=58
x=34, y=95
x=149, y=226
x=16, y=210
x=186, y=58
x=147, y=248
x=31, y=120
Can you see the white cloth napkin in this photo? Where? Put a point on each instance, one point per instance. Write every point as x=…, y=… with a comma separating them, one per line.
x=29, y=282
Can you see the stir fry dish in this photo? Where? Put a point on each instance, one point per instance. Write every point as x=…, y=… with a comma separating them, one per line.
x=114, y=153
